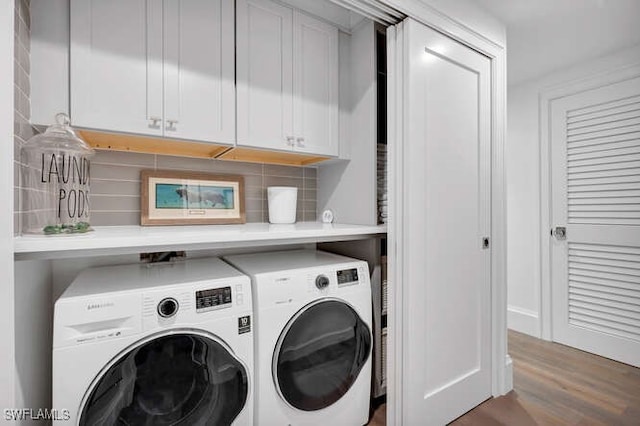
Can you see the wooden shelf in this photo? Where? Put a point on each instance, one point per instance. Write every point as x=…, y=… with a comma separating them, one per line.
x=109, y=141
x=111, y=240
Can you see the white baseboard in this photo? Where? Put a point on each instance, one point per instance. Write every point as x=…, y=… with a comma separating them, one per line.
x=523, y=320
x=508, y=375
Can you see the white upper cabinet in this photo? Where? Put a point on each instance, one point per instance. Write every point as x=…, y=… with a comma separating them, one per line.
x=287, y=79
x=162, y=68
x=116, y=61
x=199, y=87
x=265, y=74
x=315, y=86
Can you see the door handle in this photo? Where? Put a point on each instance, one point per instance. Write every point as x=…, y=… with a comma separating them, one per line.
x=154, y=122
x=171, y=124
x=560, y=232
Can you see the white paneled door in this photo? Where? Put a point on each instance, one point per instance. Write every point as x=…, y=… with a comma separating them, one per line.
x=446, y=365
x=595, y=197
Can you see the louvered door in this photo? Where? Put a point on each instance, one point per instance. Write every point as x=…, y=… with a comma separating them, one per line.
x=595, y=145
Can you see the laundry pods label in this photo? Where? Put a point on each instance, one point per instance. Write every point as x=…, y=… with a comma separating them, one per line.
x=244, y=324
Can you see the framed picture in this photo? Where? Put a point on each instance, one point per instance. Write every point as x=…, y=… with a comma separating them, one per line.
x=190, y=198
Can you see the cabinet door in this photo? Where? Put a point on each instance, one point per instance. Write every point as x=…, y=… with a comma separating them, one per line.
x=199, y=92
x=116, y=65
x=445, y=168
x=264, y=74
x=315, y=84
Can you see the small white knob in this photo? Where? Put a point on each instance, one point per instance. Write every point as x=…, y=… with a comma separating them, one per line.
x=290, y=140
x=300, y=142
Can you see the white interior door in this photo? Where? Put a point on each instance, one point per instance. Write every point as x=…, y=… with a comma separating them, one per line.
x=595, y=194
x=446, y=365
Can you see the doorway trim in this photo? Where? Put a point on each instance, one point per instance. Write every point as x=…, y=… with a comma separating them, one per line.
x=546, y=97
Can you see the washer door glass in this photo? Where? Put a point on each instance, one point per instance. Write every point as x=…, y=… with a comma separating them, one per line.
x=320, y=354
x=177, y=379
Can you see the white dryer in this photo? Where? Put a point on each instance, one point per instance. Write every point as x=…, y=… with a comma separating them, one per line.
x=155, y=345
x=313, y=337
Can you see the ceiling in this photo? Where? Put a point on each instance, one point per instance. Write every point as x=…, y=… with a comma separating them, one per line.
x=548, y=35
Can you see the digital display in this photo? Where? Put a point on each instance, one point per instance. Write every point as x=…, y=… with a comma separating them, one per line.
x=347, y=276
x=212, y=298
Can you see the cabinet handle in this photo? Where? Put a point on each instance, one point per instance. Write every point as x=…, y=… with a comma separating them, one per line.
x=300, y=142
x=290, y=140
x=155, y=121
x=171, y=124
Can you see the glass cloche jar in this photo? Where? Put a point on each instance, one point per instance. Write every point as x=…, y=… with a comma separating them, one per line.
x=55, y=182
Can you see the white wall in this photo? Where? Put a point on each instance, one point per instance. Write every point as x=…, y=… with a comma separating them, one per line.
x=7, y=365
x=523, y=185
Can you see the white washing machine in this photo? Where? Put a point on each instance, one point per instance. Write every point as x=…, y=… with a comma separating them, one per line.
x=155, y=345
x=313, y=337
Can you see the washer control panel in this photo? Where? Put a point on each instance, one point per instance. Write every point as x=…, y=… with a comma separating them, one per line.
x=215, y=298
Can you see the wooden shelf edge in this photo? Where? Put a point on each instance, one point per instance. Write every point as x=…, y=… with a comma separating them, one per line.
x=108, y=141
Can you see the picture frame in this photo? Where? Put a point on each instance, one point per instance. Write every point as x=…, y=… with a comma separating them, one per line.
x=171, y=197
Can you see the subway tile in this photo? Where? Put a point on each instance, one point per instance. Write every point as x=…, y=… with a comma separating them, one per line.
x=309, y=194
x=284, y=171
x=310, y=172
x=310, y=184
x=16, y=22
x=25, y=12
x=123, y=158
x=114, y=187
x=254, y=204
x=309, y=205
x=114, y=203
x=21, y=102
x=254, y=216
x=253, y=192
x=16, y=173
x=16, y=43
x=115, y=218
x=238, y=168
x=24, y=59
x=16, y=198
x=17, y=223
x=281, y=181
x=253, y=180
x=112, y=172
x=17, y=148
x=207, y=165
x=310, y=216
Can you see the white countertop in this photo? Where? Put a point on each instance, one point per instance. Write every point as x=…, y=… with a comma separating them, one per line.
x=133, y=239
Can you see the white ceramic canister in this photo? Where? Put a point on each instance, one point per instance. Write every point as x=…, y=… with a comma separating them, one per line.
x=282, y=204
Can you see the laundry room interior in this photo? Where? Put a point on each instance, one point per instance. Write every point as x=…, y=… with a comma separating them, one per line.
x=292, y=212
x=165, y=274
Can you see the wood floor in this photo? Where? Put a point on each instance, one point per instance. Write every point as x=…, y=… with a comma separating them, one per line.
x=557, y=385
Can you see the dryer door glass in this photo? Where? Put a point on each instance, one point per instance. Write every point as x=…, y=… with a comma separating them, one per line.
x=320, y=354
x=177, y=379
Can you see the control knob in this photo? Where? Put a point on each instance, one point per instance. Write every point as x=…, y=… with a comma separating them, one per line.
x=322, y=282
x=167, y=307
